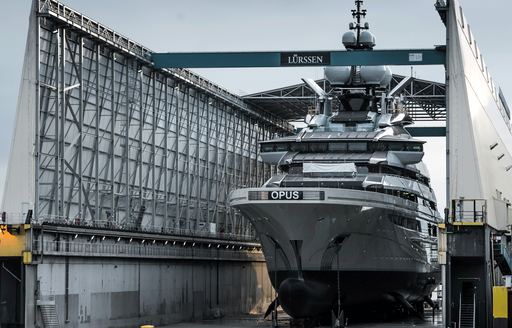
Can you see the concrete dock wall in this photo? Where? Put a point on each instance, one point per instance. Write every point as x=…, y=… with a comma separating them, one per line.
x=110, y=292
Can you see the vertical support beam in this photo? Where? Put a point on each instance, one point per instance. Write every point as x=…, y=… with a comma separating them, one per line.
x=187, y=142
x=446, y=268
x=126, y=159
x=113, y=118
x=251, y=152
x=97, y=213
x=153, y=151
x=217, y=164
x=197, y=170
x=81, y=203
x=62, y=120
x=166, y=152
x=177, y=154
x=256, y=162
x=37, y=155
x=208, y=178
x=141, y=129
x=226, y=118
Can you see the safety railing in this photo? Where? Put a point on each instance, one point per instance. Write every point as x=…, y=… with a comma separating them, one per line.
x=469, y=210
x=113, y=225
x=145, y=250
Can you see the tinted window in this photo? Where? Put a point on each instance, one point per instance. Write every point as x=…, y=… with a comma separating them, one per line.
x=317, y=147
x=414, y=147
x=357, y=146
x=396, y=146
x=299, y=147
x=281, y=147
x=267, y=148
x=337, y=146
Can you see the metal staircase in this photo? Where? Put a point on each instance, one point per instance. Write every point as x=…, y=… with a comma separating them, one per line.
x=49, y=313
x=502, y=255
x=467, y=308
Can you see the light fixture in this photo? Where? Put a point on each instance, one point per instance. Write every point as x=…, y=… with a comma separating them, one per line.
x=166, y=242
x=131, y=240
x=218, y=245
x=103, y=238
x=118, y=239
x=209, y=245
x=92, y=238
x=193, y=244
x=184, y=243
x=174, y=242
x=240, y=247
x=76, y=236
x=501, y=156
x=143, y=241
x=494, y=145
x=227, y=246
x=154, y=241
x=508, y=168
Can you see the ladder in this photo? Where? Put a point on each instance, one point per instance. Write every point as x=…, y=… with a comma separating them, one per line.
x=467, y=309
x=49, y=313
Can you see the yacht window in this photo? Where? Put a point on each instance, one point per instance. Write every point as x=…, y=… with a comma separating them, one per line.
x=317, y=147
x=362, y=170
x=299, y=147
x=337, y=146
x=414, y=147
x=357, y=146
x=396, y=146
x=379, y=146
x=265, y=148
x=281, y=147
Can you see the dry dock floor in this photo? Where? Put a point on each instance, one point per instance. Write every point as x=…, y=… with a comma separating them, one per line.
x=253, y=322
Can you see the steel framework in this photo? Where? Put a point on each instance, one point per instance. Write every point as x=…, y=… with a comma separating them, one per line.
x=424, y=100
x=121, y=144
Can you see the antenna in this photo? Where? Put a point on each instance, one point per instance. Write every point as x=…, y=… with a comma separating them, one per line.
x=360, y=39
x=357, y=14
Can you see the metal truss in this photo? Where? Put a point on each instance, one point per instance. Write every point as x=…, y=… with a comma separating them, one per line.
x=121, y=144
x=424, y=100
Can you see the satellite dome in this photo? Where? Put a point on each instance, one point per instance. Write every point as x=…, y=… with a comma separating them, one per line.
x=338, y=75
x=349, y=39
x=379, y=75
x=367, y=39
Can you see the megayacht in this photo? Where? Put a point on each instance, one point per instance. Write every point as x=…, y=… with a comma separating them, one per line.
x=350, y=219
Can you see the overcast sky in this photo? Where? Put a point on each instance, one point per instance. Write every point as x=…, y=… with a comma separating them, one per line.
x=238, y=25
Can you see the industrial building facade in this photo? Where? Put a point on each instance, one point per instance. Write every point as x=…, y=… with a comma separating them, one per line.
x=116, y=192
x=118, y=144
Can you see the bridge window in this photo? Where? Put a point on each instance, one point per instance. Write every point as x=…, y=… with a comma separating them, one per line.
x=317, y=147
x=337, y=147
x=357, y=146
x=341, y=147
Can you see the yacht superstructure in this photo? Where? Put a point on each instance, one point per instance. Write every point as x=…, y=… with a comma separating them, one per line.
x=351, y=218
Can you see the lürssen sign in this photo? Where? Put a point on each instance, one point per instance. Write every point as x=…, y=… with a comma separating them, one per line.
x=305, y=58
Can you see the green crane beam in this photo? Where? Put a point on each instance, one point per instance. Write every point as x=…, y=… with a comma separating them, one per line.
x=406, y=57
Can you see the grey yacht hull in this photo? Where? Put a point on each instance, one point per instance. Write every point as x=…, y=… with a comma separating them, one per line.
x=360, y=247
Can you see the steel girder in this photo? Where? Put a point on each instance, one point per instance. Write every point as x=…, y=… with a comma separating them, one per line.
x=123, y=145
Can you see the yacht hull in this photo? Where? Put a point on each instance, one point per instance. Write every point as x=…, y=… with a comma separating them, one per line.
x=351, y=245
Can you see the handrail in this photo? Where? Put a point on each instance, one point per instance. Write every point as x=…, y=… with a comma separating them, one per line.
x=460, y=308
x=469, y=210
x=140, y=250
x=474, y=308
